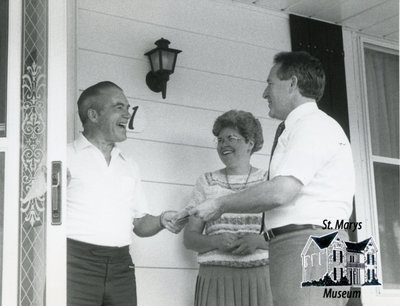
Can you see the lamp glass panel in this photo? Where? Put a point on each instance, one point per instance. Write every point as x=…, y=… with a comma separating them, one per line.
x=168, y=60
x=155, y=59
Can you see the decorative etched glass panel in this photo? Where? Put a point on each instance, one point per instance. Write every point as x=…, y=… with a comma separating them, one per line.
x=32, y=234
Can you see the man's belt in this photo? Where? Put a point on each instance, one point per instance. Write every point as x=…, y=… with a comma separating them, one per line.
x=272, y=233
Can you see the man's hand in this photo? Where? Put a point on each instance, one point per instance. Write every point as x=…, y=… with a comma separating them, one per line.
x=208, y=210
x=248, y=244
x=169, y=221
x=183, y=215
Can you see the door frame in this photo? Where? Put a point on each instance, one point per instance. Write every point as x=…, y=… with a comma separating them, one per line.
x=56, y=148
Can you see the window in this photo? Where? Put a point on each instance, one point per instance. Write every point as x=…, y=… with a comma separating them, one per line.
x=334, y=255
x=382, y=89
x=334, y=273
x=367, y=259
x=341, y=256
x=369, y=276
x=306, y=261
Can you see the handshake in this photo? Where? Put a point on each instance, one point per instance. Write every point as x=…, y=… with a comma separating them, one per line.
x=174, y=221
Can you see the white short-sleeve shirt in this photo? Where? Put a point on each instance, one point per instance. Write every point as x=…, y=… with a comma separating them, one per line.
x=102, y=199
x=314, y=149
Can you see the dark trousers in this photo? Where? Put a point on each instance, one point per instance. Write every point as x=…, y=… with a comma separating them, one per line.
x=99, y=275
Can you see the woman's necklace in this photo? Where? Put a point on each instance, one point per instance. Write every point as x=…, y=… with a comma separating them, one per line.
x=245, y=184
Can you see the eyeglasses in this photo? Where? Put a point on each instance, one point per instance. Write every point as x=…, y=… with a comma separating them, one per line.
x=230, y=139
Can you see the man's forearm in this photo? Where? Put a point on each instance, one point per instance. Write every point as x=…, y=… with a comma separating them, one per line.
x=147, y=226
x=262, y=197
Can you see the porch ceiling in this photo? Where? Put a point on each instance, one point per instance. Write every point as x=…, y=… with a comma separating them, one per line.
x=379, y=18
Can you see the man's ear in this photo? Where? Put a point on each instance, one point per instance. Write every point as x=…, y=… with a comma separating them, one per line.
x=293, y=83
x=92, y=114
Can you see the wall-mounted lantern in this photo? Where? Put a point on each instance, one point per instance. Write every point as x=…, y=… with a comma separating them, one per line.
x=162, y=61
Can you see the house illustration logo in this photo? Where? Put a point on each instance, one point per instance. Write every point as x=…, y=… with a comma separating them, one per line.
x=329, y=261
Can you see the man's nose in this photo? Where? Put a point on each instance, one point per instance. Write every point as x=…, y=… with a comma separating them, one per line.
x=265, y=93
x=126, y=114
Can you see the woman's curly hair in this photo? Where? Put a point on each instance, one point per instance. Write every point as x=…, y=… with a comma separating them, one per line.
x=245, y=123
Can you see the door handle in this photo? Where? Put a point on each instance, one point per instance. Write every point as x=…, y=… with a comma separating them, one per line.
x=56, y=184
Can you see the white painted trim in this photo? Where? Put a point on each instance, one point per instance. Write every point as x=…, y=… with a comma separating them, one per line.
x=381, y=49
x=11, y=192
x=56, y=148
x=380, y=44
x=386, y=160
x=357, y=135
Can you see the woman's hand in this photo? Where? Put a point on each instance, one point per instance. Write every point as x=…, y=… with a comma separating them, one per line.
x=248, y=244
x=225, y=242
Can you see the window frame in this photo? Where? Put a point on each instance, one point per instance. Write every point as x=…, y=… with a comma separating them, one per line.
x=365, y=196
x=371, y=158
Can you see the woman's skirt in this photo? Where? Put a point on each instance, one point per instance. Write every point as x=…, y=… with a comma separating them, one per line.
x=227, y=286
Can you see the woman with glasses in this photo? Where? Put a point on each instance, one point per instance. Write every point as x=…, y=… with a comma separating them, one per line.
x=233, y=256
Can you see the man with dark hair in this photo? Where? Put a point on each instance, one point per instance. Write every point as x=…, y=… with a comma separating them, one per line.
x=105, y=203
x=311, y=177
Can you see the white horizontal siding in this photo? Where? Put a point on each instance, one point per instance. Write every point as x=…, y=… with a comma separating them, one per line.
x=166, y=287
x=176, y=164
x=198, y=89
x=124, y=37
x=170, y=123
x=205, y=17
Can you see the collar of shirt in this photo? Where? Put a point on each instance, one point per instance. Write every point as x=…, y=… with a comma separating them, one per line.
x=299, y=112
x=82, y=143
